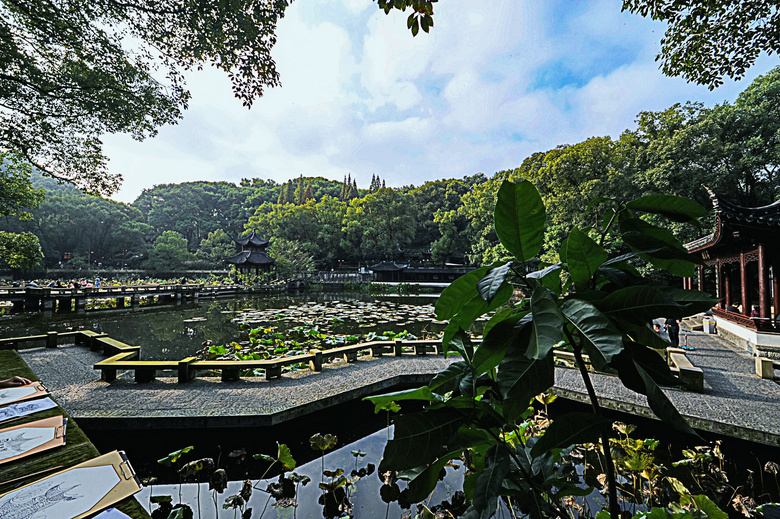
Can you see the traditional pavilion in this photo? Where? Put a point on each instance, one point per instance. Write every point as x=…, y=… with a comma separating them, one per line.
x=742, y=263
x=253, y=254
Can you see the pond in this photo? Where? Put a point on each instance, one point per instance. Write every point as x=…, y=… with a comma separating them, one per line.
x=364, y=494
x=172, y=332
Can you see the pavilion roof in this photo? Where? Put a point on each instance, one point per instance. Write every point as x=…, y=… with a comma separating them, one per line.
x=733, y=219
x=253, y=239
x=251, y=258
x=387, y=266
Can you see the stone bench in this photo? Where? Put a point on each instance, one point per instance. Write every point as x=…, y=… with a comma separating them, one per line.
x=691, y=377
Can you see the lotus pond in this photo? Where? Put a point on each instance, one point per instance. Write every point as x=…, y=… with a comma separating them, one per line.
x=270, y=325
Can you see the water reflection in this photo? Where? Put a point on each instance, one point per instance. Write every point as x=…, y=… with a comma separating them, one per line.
x=171, y=332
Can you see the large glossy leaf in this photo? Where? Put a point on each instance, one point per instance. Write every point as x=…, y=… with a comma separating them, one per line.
x=669, y=254
x=677, y=208
x=477, y=306
x=508, y=313
x=645, y=335
x=494, y=345
x=489, y=285
x=422, y=480
x=694, y=301
x=640, y=304
x=569, y=429
x=594, y=326
x=459, y=292
x=550, y=277
x=453, y=372
x=420, y=439
x=488, y=486
x=521, y=378
x=420, y=393
x=584, y=256
x=519, y=219
x=547, y=324
x=456, y=341
x=662, y=406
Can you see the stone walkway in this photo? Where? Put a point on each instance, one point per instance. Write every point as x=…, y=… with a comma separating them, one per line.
x=735, y=401
x=207, y=402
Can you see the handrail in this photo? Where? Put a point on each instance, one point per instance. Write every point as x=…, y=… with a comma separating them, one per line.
x=761, y=324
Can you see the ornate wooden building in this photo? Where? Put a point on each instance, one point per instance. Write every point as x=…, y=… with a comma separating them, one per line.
x=252, y=255
x=742, y=263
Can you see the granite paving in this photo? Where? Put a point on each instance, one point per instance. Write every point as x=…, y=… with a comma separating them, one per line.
x=735, y=401
x=68, y=373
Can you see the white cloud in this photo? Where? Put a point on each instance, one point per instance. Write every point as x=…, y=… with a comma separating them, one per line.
x=494, y=81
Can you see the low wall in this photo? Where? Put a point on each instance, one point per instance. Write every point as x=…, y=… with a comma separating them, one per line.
x=758, y=343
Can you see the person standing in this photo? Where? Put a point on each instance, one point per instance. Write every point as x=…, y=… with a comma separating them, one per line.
x=673, y=329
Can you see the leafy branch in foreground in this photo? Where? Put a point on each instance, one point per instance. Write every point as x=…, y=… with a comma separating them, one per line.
x=587, y=303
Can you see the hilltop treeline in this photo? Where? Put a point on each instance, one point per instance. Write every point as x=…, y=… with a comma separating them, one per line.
x=733, y=148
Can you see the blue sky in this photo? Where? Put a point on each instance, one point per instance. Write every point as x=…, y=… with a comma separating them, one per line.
x=494, y=81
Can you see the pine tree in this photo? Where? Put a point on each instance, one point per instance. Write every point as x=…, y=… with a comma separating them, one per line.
x=306, y=193
x=343, y=189
x=288, y=192
x=298, y=191
x=281, y=194
x=383, y=184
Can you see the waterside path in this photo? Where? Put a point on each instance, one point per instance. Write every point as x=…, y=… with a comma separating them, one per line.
x=735, y=403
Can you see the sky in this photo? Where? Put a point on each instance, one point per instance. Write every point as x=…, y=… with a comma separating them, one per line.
x=493, y=82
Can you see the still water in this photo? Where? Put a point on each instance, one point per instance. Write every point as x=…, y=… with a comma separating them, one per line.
x=172, y=332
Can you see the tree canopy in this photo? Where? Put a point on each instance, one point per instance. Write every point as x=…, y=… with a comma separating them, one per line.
x=73, y=70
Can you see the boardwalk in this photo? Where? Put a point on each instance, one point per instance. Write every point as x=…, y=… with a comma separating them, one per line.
x=735, y=402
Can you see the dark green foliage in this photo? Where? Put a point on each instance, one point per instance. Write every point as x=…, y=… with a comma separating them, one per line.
x=588, y=303
x=78, y=69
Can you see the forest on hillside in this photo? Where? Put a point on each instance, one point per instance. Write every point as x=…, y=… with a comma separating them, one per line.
x=731, y=148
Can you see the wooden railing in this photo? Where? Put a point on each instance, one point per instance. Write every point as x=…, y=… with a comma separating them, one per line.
x=760, y=324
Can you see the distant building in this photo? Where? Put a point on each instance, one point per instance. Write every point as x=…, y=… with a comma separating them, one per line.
x=390, y=271
x=252, y=255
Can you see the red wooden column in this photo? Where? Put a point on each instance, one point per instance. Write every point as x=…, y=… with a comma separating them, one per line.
x=743, y=283
x=700, y=281
x=776, y=290
x=719, y=285
x=763, y=283
x=727, y=286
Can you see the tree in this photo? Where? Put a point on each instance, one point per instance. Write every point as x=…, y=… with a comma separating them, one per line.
x=195, y=209
x=169, y=252
x=216, y=248
x=378, y=224
x=86, y=227
x=290, y=258
x=19, y=250
x=17, y=195
x=707, y=40
x=68, y=76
